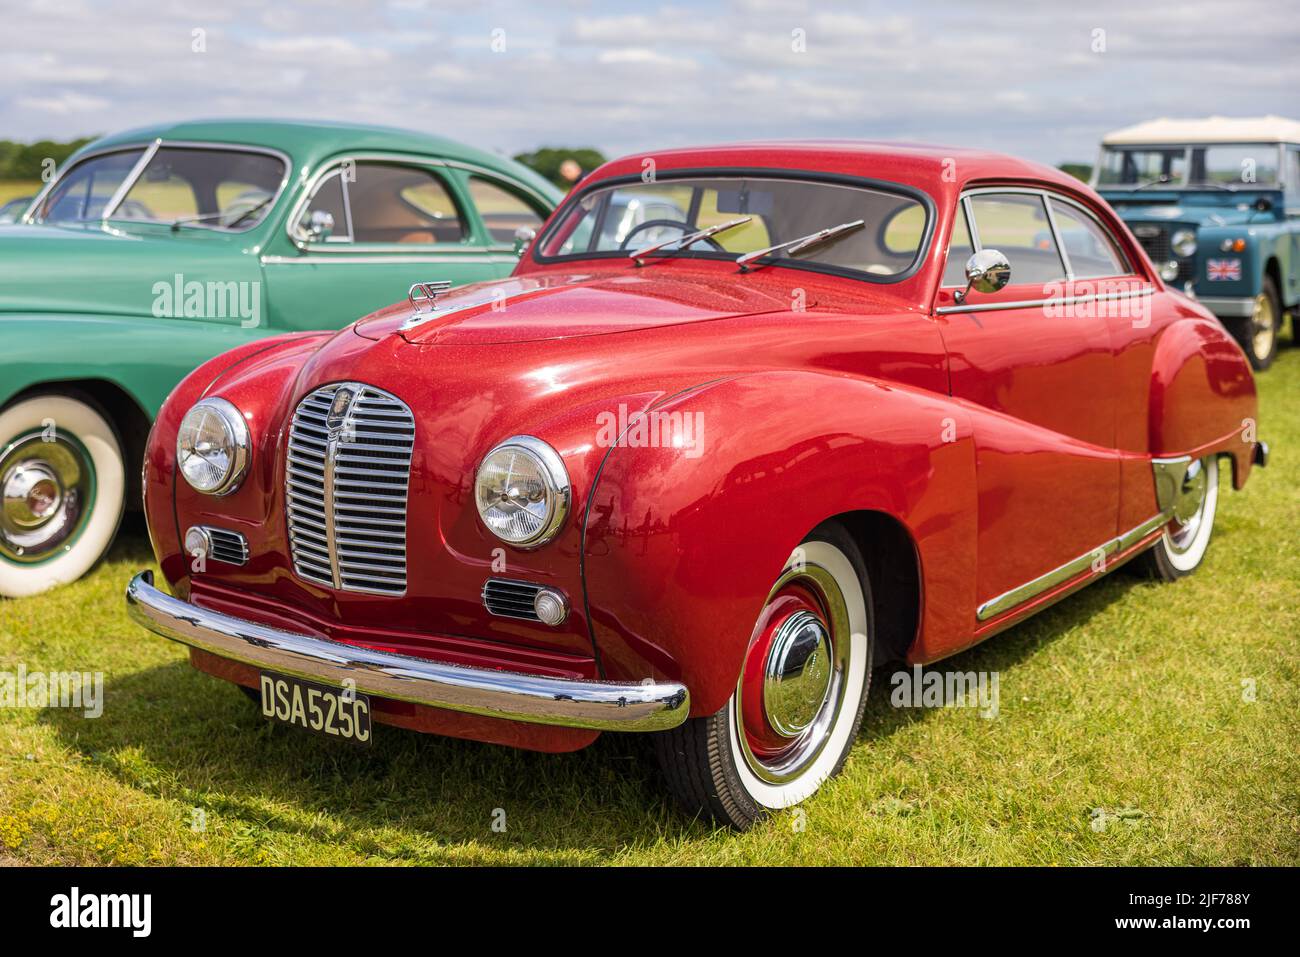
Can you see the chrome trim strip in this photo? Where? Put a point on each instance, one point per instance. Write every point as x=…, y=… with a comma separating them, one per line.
x=564, y=702
x=1062, y=301
x=1063, y=573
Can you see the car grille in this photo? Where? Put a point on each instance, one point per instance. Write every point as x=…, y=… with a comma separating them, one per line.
x=510, y=599
x=1155, y=240
x=346, y=482
x=227, y=546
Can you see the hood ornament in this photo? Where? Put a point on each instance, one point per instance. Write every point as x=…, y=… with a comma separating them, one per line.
x=423, y=296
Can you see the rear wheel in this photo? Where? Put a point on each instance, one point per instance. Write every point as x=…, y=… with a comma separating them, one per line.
x=1258, y=332
x=795, y=712
x=1182, y=546
x=62, y=490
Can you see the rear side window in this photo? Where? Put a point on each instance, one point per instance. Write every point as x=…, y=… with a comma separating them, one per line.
x=503, y=212
x=401, y=204
x=1090, y=249
x=1016, y=225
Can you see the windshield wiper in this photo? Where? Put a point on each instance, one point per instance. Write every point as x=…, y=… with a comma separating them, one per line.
x=206, y=217
x=800, y=244
x=688, y=240
x=1161, y=180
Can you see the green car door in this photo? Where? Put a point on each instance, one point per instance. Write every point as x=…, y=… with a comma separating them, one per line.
x=370, y=225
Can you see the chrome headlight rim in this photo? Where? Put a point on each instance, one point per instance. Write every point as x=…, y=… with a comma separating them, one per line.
x=559, y=488
x=239, y=449
x=1183, y=243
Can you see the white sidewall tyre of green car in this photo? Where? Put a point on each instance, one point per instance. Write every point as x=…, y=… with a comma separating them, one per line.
x=85, y=435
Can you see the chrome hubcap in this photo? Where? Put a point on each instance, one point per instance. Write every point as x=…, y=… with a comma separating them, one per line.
x=32, y=494
x=798, y=674
x=46, y=488
x=1189, y=506
x=793, y=684
x=1264, y=325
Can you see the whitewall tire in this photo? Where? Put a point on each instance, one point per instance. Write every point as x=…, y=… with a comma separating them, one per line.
x=1182, y=545
x=796, y=709
x=62, y=491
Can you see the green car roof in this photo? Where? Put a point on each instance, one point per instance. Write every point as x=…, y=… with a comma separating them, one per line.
x=308, y=142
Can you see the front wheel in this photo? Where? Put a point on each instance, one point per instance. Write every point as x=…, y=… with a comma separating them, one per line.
x=1181, y=547
x=796, y=709
x=1258, y=332
x=62, y=484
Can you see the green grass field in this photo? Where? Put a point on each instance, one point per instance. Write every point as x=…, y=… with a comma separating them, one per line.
x=13, y=188
x=1174, y=709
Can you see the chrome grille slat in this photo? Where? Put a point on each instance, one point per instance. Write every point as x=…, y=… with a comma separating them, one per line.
x=341, y=481
x=510, y=599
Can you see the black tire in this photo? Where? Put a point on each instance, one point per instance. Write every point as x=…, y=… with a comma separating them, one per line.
x=700, y=759
x=1258, y=334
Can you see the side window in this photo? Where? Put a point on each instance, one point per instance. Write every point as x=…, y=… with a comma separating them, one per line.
x=1293, y=181
x=329, y=198
x=503, y=212
x=1016, y=225
x=959, y=250
x=401, y=204
x=1088, y=246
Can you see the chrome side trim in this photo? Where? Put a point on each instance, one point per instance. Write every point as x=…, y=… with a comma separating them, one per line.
x=1063, y=573
x=1061, y=301
x=564, y=702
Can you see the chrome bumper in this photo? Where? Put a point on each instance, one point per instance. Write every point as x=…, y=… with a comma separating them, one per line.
x=1234, y=307
x=567, y=702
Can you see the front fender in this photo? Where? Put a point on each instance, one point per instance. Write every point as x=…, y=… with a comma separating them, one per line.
x=683, y=543
x=143, y=356
x=285, y=351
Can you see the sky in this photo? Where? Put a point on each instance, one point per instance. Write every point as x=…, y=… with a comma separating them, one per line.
x=1041, y=80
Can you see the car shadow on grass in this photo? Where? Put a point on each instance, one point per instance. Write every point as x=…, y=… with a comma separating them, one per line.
x=182, y=736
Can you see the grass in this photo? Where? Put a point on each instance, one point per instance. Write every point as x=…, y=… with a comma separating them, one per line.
x=1130, y=697
x=13, y=188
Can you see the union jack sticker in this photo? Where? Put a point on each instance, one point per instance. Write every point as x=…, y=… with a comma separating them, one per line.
x=1218, y=270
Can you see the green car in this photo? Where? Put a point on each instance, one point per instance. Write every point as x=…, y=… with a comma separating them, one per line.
x=157, y=249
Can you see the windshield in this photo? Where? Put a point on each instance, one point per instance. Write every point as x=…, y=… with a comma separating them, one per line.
x=202, y=187
x=618, y=220
x=1227, y=166
x=84, y=191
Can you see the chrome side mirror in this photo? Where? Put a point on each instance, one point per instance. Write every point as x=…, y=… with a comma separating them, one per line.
x=986, y=271
x=523, y=236
x=318, y=228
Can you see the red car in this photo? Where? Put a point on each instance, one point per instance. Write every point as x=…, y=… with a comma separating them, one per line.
x=745, y=422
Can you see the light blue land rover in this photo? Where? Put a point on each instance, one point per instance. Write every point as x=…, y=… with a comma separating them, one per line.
x=1216, y=204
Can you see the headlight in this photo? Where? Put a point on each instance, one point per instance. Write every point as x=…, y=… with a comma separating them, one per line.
x=1169, y=271
x=522, y=491
x=212, y=447
x=1184, y=242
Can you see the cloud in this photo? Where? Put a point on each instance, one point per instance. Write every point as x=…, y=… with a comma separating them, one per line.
x=631, y=76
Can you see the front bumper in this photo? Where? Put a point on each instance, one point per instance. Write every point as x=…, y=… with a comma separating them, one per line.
x=1234, y=307
x=567, y=702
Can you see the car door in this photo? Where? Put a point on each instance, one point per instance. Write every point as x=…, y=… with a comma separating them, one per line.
x=370, y=226
x=1043, y=374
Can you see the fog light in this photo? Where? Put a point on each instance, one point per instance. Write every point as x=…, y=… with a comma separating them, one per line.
x=198, y=543
x=551, y=607
x=1169, y=271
